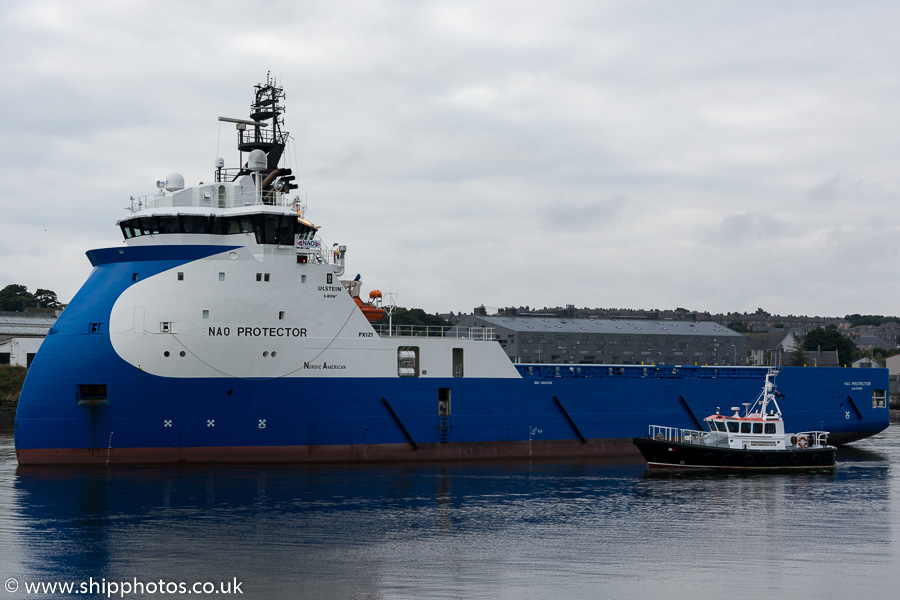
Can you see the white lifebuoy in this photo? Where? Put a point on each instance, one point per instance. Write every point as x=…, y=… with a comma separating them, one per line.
x=802, y=441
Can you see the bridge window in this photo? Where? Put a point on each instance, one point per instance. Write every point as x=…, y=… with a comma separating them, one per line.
x=268, y=229
x=194, y=224
x=168, y=224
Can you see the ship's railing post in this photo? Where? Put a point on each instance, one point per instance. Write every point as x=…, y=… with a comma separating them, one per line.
x=663, y=433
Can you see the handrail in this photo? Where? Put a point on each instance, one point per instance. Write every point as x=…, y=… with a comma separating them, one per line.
x=543, y=370
x=480, y=334
x=692, y=436
x=816, y=438
x=676, y=434
x=237, y=198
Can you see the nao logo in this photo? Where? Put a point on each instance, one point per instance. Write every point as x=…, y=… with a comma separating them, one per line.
x=847, y=415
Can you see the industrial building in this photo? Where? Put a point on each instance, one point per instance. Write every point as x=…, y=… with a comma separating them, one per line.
x=555, y=340
x=21, y=334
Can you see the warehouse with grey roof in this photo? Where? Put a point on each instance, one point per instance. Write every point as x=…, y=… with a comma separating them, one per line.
x=557, y=340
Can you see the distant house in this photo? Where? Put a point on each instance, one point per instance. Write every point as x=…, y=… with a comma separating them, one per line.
x=821, y=358
x=868, y=342
x=893, y=366
x=21, y=334
x=770, y=348
x=864, y=363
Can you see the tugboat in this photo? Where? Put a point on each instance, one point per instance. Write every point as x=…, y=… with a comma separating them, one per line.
x=755, y=440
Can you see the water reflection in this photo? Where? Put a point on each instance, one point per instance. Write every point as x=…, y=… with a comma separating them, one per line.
x=537, y=530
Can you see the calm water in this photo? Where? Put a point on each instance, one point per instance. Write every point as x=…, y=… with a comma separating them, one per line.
x=512, y=530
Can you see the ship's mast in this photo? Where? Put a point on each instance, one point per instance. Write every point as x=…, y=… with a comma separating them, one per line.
x=262, y=136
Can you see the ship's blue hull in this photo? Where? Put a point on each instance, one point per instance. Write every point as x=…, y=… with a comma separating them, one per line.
x=564, y=410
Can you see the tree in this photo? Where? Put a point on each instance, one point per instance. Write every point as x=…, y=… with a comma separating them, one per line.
x=413, y=316
x=739, y=326
x=46, y=298
x=15, y=297
x=796, y=358
x=857, y=319
x=829, y=339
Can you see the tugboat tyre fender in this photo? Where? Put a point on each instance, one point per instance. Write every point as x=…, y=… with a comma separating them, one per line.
x=802, y=441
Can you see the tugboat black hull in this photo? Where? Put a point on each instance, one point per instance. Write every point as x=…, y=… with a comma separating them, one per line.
x=662, y=453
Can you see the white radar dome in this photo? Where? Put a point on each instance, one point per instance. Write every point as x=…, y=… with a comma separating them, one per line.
x=257, y=161
x=220, y=163
x=174, y=182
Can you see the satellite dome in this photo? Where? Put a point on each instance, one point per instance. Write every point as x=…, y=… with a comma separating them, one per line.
x=174, y=182
x=257, y=161
x=220, y=162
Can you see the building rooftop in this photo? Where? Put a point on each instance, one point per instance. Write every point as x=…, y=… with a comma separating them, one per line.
x=25, y=324
x=612, y=326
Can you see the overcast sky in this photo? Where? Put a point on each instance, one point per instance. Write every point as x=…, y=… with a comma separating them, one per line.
x=710, y=155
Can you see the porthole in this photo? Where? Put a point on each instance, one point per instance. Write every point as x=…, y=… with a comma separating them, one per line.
x=181, y=354
x=166, y=354
x=273, y=354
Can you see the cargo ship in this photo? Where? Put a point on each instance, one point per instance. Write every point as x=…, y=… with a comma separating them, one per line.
x=225, y=330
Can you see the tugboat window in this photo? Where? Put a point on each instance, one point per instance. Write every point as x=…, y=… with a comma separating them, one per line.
x=757, y=427
x=770, y=427
x=732, y=427
x=745, y=427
